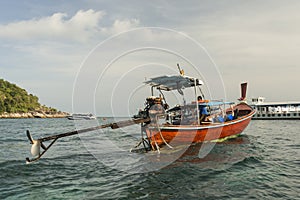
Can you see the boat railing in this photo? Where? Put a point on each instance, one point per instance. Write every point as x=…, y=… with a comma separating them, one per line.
x=187, y=114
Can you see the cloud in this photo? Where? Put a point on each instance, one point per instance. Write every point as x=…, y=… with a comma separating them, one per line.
x=78, y=27
x=81, y=27
x=122, y=25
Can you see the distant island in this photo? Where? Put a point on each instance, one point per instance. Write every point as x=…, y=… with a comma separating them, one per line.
x=15, y=102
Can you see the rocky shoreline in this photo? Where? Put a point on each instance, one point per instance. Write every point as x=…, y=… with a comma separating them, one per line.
x=34, y=114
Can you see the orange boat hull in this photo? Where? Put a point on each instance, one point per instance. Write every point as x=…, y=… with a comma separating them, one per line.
x=187, y=134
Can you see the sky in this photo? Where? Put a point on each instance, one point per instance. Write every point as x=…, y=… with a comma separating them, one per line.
x=88, y=56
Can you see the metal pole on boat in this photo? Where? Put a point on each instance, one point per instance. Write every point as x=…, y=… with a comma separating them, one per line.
x=152, y=91
x=197, y=104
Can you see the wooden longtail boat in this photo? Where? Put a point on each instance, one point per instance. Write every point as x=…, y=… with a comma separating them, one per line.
x=195, y=122
x=185, y=124
x=194, y=133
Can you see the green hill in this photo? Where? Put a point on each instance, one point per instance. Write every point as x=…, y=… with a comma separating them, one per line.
x=14, y=99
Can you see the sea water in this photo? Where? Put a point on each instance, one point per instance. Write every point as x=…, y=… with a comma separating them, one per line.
x=263, y=163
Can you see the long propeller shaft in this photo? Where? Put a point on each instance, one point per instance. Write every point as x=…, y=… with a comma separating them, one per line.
x=36, y=144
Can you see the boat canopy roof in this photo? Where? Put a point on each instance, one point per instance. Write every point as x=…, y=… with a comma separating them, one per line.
x=173, y=82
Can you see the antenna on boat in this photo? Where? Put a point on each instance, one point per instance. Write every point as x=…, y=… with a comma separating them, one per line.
x=181, y=71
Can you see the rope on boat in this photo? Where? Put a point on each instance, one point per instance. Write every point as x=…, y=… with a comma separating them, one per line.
x=163, y=139
x=156, y=145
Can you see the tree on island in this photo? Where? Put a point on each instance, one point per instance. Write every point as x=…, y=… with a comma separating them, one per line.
x=14, y=99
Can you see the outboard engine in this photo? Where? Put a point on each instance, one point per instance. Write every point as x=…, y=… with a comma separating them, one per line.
x=153, y=106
